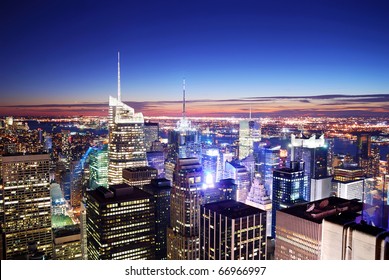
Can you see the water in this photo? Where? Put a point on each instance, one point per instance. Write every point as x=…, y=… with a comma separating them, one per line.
x=54, y=127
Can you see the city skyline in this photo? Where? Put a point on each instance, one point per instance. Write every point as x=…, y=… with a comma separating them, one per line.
x=280, y=58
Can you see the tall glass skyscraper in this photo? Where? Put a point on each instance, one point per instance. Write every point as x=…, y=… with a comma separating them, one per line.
x=249, y=133
x=98, y=166
x=289, y=187
x=126, y=146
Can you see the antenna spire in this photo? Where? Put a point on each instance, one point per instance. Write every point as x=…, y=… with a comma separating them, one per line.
x=183, y=97
x=119, y=91
x=250, y=111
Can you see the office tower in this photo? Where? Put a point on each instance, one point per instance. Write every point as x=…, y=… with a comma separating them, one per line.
x=350, y=189
x=183, y=233
x=120, y=224
x=242, y=179
x=283, y=158
x=184, y=140
x=169, y=170
x=228, y=188
x=330, y=155
x=151, y=134
x=98, y=167
x=249, y=133
x=76, y=184
x=368, y=157
x=226, y=157
x=363, y=146
x=67, y=243
x=156, y=160
x=348, y=173
x=27, y=203
x=66, y=151
x=289, y=187
x=160, y=189
x=83, y=230
x=126, y=146
x=139, y=176
x=320, y=188
x=258, y=198
x=300, y=227
x=344, y=239
x=65, y=183
x=269, y=160
x=232, y=230
x=210, y=163
x=313, y=151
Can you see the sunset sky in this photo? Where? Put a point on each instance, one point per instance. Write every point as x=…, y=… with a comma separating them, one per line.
x=279, y=57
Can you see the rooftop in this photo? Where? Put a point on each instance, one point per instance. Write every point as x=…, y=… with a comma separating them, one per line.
x=316, y=211
x=118, y=193
x=233, y=209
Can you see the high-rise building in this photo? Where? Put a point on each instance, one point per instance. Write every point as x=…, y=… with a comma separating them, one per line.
x=151, y=134
x=350, y=189
x=232, y=230
x=76, y=184
x=126, y=146
x=139, y=176
x=269, y=160
x=345, y=239
x=67, y=243
x=156, y=159
x=210, y=162
x=249, y=133
x=98, y=167
x=160, y=189
x=184, y=140
x=83, y=231
x=242, y=179
x=313, y=151
x=27, y=204
x=348, y=173
x=289, y=187
x=300, y=228
x=120, y=224
x=259, y=198
x=183, y=233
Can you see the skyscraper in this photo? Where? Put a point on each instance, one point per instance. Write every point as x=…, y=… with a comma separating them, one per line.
x=27, y=205
x=183, y=233
x=232, y=230
x=126, y=146
x=184, y=140
x=156, y=159
x=242, y=179
x=160, y=189
x=289, y=187
x=249, y=133
x=120, y=224
x=313, y=151
x=139, y=176
x=300, y=227
x=98, y=166
x=151, y=134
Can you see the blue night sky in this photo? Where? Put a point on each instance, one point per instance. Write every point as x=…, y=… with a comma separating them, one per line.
x=65, y=52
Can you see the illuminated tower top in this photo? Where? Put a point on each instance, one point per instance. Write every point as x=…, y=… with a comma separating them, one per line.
x=184, y=124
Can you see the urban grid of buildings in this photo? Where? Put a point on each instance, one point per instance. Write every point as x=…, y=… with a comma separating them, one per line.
x=186, y=191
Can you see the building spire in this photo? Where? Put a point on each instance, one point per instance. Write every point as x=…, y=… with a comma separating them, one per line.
x=119, y=91
x=250, y=112
x=183, y=99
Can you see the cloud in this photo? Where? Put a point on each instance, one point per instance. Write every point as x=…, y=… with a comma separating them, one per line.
x=372, y=104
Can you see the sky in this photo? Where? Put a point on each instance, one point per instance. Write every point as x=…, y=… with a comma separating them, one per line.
x=277, y=57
